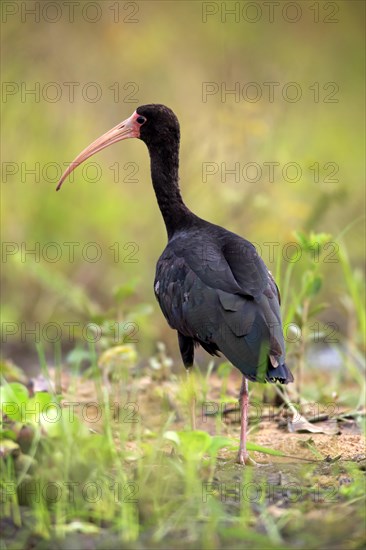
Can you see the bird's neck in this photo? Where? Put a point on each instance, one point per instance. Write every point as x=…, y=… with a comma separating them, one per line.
x=165, y=179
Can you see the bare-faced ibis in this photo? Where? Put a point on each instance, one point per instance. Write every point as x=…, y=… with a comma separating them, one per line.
x=212, y=286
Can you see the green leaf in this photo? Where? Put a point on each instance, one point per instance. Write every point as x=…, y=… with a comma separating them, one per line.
x=315, y=285
x=259, y=449
x=265, y=450
x=62, y=422
x=126, y=290
x=36, y=406
x=194, y=444
x=311, y=283
x=7, y=434
x=13, y=398
x=77, y=355
x=217, y=443
x=301, y=238
x=318, y=308
x=10, y=371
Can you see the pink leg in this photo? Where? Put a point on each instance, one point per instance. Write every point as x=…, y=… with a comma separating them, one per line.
x=243, y=456
x=192, y=398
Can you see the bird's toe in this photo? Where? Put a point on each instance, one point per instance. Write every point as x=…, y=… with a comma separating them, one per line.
x=244, y=459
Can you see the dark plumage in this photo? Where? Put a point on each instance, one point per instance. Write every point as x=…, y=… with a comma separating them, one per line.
x=211, y=285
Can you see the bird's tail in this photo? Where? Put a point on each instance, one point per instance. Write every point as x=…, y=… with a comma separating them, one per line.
x=281, y=374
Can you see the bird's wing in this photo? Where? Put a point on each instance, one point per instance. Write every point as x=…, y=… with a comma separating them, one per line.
x=246, y=265
x=226, y=262
x=210, y=297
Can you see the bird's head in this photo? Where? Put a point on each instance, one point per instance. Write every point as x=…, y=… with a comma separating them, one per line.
x=153, y=124
x=160, y=124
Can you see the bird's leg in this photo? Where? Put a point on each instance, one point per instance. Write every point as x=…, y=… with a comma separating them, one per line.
x=243, y=456
x=192, y=398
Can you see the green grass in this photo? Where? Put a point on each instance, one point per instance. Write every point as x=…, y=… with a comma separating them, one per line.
x=98, y=467
x=75, y=481
x=121, y=482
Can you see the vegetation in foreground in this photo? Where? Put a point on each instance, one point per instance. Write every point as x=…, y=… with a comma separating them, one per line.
x=98, y=450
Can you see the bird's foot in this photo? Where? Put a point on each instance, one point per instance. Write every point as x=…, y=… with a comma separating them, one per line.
x=244, y=459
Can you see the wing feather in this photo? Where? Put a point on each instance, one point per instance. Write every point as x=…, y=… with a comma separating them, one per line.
x=222, y=296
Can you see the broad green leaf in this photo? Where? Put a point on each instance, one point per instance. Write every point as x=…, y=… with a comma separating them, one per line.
x=194, y=444
x=13, y=399
x=217, y=443
x=36, y=406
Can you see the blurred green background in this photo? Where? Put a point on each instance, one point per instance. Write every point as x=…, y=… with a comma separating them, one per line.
x=164, y=52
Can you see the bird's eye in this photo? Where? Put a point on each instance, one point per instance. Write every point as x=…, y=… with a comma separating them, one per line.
x=140, y=119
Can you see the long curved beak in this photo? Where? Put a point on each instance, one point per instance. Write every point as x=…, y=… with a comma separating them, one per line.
x=124, y=130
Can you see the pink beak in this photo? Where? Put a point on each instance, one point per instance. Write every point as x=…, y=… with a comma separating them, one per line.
x=129, y=128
